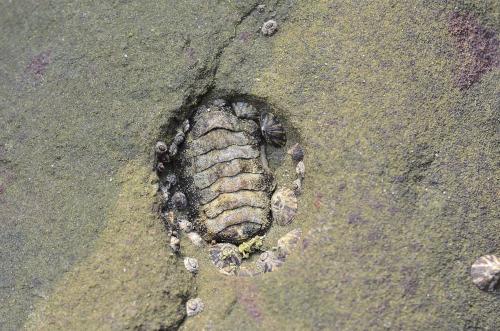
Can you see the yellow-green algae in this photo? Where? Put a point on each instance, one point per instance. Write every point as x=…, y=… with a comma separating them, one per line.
x=400, y=194
x=131, y=280
x=118, y=71
x=250, y=246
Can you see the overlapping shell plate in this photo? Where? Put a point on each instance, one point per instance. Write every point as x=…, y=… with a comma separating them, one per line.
x=223, y=158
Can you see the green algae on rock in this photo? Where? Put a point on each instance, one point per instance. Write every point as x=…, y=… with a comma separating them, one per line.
x=130, y=281
x=250, y=246
x=400, y=165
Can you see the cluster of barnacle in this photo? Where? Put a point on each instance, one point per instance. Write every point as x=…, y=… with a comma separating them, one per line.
x=221, y=160
x=164, y=153
x=176, y=201
x=228, y=258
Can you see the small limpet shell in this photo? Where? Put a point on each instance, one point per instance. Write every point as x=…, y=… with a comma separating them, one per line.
x=269, y=28
x=296, y=152
x=485, y=272
x=175, y=243
x=179, y=200
x=191, y=264
x=284, y=206
x=179, y=138
x=300, y=169
x=185, y=225
x=226, y=258
x=288, y=242
x=186, y=126
x=269, y=261
x=196, y=239
x=272, y=130
x=194, y=307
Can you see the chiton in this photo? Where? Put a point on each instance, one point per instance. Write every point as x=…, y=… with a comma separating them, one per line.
x=231, y=184
x=215, y=180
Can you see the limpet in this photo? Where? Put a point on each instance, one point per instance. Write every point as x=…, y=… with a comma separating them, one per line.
x=194, y=307
x=269, y=28
x=191, y=264
x=272, y=130
x=284, y=206
x=485, y=272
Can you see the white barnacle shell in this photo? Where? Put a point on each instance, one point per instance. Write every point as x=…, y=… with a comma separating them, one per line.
x=300, y=169
x=219, y=103
x=179, y=138
x=179, y=200
x=485, y=272
x=196, y=239
x=284, y=206
x=269, y=28
x=172, y=149
x=161, y=148
x=245, y=110
x=186, y=126
x=297, y=186
x=185, y=225
x=194, y=307
x=191, y=264
x=288, y=242
x=175, y=243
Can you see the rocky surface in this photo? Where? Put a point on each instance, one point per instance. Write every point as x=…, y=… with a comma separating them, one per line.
x=400, y=197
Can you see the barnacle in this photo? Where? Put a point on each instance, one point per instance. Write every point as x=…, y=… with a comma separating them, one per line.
x=191, y=264
x=194, y=307
x=269, y=28
x=288, y=242
x=179, y=200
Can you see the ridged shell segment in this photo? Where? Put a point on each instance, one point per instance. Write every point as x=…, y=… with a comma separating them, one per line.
x=224, y=157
